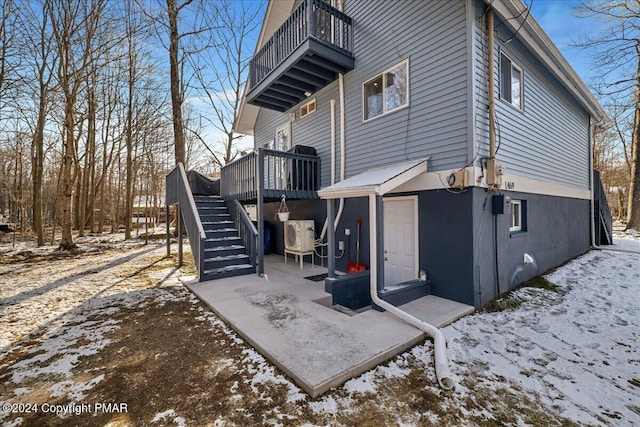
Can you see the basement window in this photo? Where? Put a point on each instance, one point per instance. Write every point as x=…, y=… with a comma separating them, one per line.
x=518, y=215
x=386, y=92
x=511, y=82
x=308, y=108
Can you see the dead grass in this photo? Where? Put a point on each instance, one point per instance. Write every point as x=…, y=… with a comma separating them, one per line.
x=511, y=301
x=170, y=353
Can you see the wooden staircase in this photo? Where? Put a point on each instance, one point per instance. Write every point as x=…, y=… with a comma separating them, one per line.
x=223, y=253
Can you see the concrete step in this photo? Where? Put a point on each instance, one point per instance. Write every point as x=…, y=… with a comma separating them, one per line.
x=403, y=293
x=230, y=271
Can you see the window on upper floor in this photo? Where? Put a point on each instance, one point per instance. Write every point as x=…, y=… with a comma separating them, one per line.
x=511, y=82
x=308, y=108
x=386, y=92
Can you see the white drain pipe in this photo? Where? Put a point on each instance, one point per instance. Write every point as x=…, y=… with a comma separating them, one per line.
x=443, y=374
x=333, y=154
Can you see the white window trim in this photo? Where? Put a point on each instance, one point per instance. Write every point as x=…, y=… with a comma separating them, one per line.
x=521, y=70
x=307, y=104
x=408, y=103
x=519, y=226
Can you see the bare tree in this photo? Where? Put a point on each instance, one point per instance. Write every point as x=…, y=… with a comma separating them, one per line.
x=617, y=50
x=177, y=89
x=74, y=24
x=220, y=72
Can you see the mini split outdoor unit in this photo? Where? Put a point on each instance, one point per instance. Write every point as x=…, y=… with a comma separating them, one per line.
x=299, y=235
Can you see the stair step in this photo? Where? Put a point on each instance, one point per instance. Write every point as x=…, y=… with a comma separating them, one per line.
x=212, y=216
x=218, y=225
x=221, y=232
x=226, y=250
x=403, y=293
x=225, y=261
x=221, y=241
x=212, y=209
x=230, y=271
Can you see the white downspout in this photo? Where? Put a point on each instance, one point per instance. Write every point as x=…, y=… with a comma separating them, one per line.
x=333, y=141
x=443, y=374
x=333, y=152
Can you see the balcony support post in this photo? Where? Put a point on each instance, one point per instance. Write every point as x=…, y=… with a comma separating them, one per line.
x=179, y=226
x=168, y=234
x=260, y=210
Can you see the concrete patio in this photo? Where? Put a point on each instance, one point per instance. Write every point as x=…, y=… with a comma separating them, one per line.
x=288, y=319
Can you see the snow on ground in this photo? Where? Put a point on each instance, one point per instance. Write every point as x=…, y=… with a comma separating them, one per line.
x=575, y=349
x=27, y=304
x=568, y=353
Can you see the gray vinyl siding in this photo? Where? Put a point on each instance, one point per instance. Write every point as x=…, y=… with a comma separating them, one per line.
x=314, y=130
x=432, y=34
x=549, y=139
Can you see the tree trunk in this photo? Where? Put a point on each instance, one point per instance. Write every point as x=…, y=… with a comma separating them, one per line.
x=38, y=168
x=66, y=242
x=633, y=209
x=176, y=92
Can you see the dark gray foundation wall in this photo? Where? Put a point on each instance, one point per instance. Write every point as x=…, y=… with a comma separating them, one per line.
x=446, y=243
x=557, y=230
x=316, y=210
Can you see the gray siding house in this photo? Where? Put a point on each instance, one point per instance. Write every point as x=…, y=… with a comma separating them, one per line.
x=454, y=132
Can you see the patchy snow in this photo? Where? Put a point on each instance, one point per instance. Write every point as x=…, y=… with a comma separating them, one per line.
x=168, y=415
x=574, y=351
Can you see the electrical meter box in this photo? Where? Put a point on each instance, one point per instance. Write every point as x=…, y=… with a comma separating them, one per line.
x=499, y=202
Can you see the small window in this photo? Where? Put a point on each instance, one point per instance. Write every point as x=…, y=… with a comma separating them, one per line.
x=386, y=92
x=511, y=82
x=308, y=108
x=518, y=215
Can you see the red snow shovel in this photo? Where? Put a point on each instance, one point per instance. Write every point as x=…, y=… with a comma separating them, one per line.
x=355, y=267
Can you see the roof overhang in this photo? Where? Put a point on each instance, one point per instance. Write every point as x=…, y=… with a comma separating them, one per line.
x=534, y=37
x=378, y=181
x=277, y=12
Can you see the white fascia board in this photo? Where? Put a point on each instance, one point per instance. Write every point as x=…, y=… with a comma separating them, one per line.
x=534, y=37
x=378, y=181
x=347, y=193
x=246, y=120
x=404, y=177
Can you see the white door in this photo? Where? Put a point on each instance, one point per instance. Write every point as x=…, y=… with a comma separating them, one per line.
x=400, y=240
x=275, y=174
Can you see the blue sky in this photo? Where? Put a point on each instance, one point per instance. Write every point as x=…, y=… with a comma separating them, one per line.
x=558, y=19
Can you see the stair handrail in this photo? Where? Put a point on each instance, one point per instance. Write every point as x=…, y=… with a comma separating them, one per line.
x=602, y=205
x=245, y=226
x=178, y=191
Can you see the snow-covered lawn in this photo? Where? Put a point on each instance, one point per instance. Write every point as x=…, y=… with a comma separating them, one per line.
x=113, y=324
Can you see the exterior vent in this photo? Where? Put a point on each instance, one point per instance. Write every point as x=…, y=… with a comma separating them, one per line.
x=299, y=235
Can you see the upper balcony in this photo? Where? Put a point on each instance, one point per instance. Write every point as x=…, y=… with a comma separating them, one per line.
x=304, y=55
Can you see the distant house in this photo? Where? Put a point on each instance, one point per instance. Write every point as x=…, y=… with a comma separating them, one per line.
x=147, y=210
x=463, y=149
